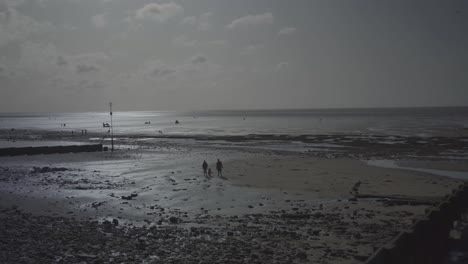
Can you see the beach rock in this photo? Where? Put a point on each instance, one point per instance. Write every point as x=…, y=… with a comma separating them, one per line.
x=295, y=216
x=47, y=169
x=129, y=197
x=174, y=220
x=360, y=257
x=301, y=255
x=357, y=235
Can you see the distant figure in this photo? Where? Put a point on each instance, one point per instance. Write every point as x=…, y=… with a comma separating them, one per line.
x=205, y=167
x=209, y=172
x=160, y=132
x=177, y=122
x=219, y=168
x=355, y=189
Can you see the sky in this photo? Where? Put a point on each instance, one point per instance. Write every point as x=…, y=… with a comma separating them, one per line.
x=79, y=55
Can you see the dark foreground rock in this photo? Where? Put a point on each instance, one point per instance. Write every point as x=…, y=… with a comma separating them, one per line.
x=26, y=238
x=269, y=238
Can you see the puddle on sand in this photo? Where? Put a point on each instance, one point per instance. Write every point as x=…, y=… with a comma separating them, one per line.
x=391, y=164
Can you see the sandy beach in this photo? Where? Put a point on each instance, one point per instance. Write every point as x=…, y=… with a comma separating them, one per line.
x=278, y=201
x=341, y=127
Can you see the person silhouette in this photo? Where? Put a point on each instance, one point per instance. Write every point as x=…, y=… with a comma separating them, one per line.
x=219, y=167
x=205, y=167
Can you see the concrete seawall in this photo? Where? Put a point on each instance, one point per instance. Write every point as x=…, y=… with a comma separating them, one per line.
x=427, y=242
x=50, y=150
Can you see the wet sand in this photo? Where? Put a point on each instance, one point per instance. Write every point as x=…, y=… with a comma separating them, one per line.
x=271, y=206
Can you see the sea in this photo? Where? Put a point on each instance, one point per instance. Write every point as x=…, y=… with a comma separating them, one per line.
x=422, y=122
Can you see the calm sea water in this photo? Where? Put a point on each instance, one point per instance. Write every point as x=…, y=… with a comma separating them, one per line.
x=389, y=121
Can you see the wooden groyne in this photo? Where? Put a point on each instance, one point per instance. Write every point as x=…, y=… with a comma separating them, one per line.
x=428, y=241
x=50, y=150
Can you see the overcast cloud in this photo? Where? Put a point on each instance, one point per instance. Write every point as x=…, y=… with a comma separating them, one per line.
x=77, y=55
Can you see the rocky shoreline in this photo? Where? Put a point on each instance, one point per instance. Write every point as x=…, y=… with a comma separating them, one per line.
x=277, y=237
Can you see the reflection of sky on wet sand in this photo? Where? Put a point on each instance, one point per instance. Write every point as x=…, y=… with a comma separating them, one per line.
x=391, y=164
x=172, y=181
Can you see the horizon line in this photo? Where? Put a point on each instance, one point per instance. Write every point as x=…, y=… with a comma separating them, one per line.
x=246, y=109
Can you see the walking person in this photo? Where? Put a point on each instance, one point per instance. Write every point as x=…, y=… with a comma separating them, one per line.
x=205, y=167
x=219, y=168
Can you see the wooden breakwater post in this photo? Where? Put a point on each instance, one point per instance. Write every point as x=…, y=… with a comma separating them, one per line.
x=50, y=150
x=428, y=240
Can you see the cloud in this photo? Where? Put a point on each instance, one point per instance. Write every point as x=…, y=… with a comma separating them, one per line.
x=85, y=62
x=61, y=61
x=15, y=27
x=161, y=71
x=48, y=74
x=251, y=49
x=190, y=20
x=184, y=41
x=196, y=68
x=216, y=42
x=160, y=12
x=282, y=66
x=99, y=21
x=46, y=57
x=86, y=68
x=47, y=66
x=158, y=69
x=2, y=70
x=14, y=3
x=286, y=31
x=201, y=23
x=198, y=59
x=4, y=12
x=251, y=20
